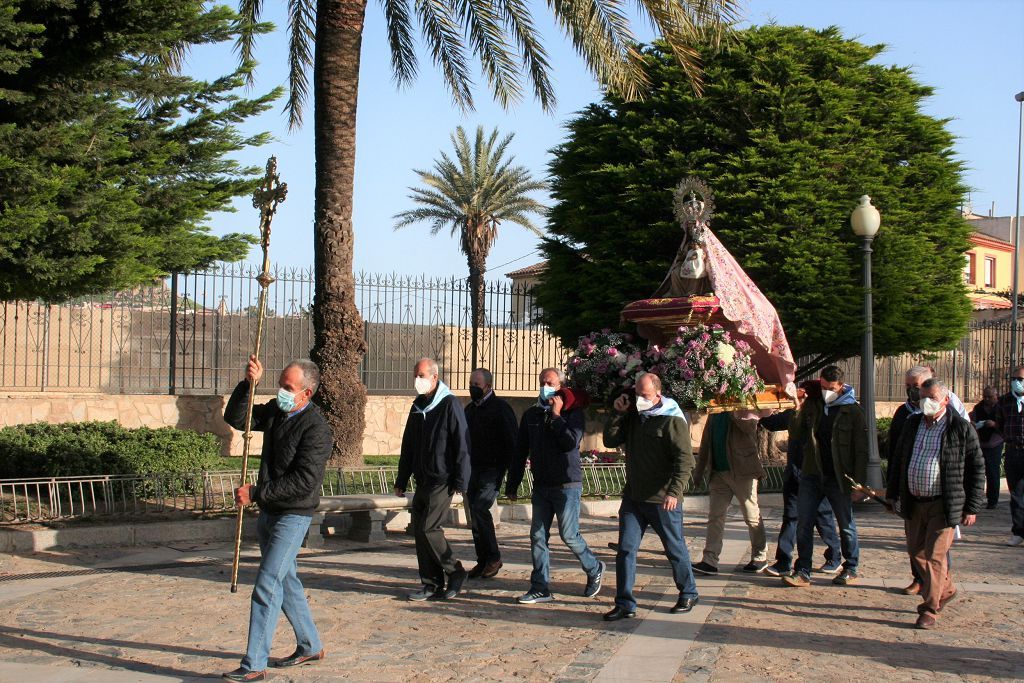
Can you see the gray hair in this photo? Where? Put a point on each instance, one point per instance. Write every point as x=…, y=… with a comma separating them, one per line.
x=310, y=373
x=919, y=371
x=431, y=365
x=932, y=382
x=559, y=373
x=486, y=374
x=654, y=379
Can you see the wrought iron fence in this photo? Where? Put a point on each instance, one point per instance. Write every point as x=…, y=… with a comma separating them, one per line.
x=128, y=496
x=191, y=333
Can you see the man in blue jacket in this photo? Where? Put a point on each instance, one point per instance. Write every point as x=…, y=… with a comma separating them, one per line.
x=435, y=451
x=551, y=440
x=296, y=445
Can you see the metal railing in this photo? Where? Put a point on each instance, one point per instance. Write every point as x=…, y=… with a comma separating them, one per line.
x=190, y=333
x=127, y=496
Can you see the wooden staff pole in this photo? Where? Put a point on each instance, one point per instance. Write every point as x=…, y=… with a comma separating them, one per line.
x=266, y=198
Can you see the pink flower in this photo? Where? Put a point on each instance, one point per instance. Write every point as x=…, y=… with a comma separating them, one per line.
x=606, y=330
x=687, y=374
x=722, y=389
x=721, y=363
x=601, y=368
x=612, y=351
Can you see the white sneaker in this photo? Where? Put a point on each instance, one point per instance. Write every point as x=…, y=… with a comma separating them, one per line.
x=1015, y=541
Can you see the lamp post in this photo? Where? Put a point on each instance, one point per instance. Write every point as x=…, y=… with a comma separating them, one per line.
x=865, y=221
x=1016, y=239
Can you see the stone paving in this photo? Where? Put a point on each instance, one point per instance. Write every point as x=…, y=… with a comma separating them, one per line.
x=165, y=614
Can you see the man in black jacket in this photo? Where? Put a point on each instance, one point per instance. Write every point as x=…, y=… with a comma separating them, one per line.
x=296, y=445
x=941, y=483
x=435, y=451
x=492, y=442
x=551, y=440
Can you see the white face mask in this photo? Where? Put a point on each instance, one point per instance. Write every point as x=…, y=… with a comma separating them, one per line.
x=930, y=407
x=828, y=395
x=643, y=404
x=423, y=385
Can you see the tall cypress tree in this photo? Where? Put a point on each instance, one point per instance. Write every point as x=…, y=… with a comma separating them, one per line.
x=794, y=126
x=110, y=159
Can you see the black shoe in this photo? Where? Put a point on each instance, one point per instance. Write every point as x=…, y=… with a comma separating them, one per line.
x=295, y=659
x=754, y=567
x=455, y=581
x=613, y=545
x=684, y=605
x=424, y=593
x=594, y=582
x=991, y=506
x=491, y=570
x=619, y=613
x=241, y=674
x=476, y=571
x=704, y=568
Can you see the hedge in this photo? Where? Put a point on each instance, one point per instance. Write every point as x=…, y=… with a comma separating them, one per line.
x=95, y=448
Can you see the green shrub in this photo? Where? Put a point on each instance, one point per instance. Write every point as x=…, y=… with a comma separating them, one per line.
x=93, y=448
x=883, y=424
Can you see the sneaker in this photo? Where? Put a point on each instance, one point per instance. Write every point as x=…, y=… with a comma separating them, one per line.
x=704, y=568
x=1015, y=541
x=847, y=578
x=424, y=593
x=533, y=597
x=776, y=570
x=594, y=582
x=455, y=582
x=829, y=568
x=796, y=580
x=753, y=567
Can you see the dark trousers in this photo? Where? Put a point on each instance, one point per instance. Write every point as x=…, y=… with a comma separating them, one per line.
x=482, y=492
x=929, y=538
x=634, y=518
x=825, y=523
x=813, y=490
x=993, y=461
x=1014, y=463
x=430, y=504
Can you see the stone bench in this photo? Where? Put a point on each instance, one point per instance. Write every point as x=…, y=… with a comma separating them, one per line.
x=369, y=515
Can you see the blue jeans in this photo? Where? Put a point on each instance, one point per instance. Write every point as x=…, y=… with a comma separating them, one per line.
x=278, y=588
x=548, y=502
x=634, y=518
x=813, y=490
x=482, y=492
x=825, y=523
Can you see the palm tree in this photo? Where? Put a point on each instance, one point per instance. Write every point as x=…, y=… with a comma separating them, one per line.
x=473, y=195
x=327, y=35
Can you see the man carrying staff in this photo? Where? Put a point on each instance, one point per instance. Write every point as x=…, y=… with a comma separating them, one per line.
x=297, y=442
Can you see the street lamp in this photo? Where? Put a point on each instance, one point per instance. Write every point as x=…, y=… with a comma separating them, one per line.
x=865, y=221
x=1016, y=239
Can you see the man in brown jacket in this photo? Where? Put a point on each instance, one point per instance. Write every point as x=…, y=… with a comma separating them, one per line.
x=728, y=455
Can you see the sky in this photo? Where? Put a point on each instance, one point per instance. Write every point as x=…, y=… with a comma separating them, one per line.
x=970, y=51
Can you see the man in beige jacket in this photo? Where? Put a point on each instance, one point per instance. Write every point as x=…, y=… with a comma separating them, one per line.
x=728, y=457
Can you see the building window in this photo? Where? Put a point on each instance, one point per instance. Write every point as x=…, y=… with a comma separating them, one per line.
x=990, y=272
x=969, y=276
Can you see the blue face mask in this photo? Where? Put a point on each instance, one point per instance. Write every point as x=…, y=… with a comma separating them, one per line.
x=285, y=400
x=547, y=392
x=1017, y=386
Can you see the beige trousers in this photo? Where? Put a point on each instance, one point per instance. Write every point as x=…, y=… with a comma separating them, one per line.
x=722, y=488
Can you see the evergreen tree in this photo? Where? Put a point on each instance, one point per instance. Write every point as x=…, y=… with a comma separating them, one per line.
x=110, y=160
x=794, y=126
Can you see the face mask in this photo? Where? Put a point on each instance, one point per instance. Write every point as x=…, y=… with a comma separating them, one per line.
x=914, y=395
x=930, y=407
x=642, y=404
x=285, y=400
x=1017, y=386
x=547, y=392
x=476, y=393
x=828, y=395
x=423, y=385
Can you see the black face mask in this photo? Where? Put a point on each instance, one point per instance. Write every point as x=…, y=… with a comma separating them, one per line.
x=476, y=393
x=914, y=395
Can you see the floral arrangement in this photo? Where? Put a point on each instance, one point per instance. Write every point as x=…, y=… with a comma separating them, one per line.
x=703, y=364
x=604, y=364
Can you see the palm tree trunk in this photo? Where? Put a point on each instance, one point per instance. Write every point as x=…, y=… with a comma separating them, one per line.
x=477, y=268
x=339, y=344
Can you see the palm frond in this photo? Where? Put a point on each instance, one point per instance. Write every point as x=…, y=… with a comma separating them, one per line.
x=301, y=35
x=404, y=64
x=487, y=37
x=517, y=18
x=248, y=17
x=446, y=48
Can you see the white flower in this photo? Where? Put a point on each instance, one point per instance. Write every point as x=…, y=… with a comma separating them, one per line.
x=725, y=353
x=633, y=362
x=619, y=358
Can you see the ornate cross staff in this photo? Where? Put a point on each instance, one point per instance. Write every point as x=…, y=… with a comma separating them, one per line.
x=266, y=198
